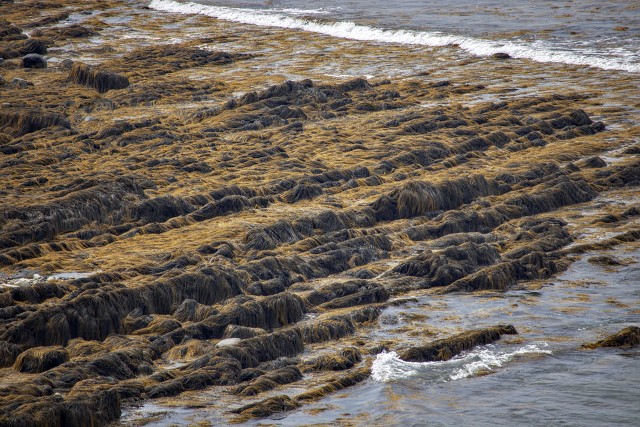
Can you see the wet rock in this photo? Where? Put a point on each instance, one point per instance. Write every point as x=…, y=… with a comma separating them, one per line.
x=627, y=337
x=267, y=407
x=346, y=359
x=33, y=60
x=501, y=55
x=20, y=83
x=335, y=384
x=446, y=348
x=269, y=381
x=604, y=260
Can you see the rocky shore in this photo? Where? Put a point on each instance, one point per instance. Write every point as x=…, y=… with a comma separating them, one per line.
x=243, y=219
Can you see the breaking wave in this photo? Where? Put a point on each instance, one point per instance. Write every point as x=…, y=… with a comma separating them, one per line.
x=536, y=51
x=389, y=367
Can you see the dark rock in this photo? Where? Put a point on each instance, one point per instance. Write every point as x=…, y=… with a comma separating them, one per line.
x=501, y=55
x=66, y=63
x=34, y=60
x=446, y=348
x=604, y=260
x=34, y=46
x=20, y=83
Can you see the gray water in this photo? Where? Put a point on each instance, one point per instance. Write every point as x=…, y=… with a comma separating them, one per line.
x=547, y=380
x=592, y=33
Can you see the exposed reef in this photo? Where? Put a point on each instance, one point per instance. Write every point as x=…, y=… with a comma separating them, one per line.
x=242, y=231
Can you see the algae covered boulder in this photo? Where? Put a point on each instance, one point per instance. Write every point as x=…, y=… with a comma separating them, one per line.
x=101, y=80
x=41, y=359
x=627, y=337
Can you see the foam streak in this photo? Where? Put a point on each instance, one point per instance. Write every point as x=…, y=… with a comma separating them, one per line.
x=350, y=30
x=389, y=367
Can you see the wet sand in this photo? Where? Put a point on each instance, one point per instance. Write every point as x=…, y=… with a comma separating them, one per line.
x=250, y=206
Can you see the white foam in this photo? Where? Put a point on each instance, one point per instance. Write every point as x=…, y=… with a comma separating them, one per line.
x=389, y=367
x=303, y=12
x=537, y=51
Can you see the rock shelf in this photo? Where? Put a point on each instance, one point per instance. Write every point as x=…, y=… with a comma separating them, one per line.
x=247, y=229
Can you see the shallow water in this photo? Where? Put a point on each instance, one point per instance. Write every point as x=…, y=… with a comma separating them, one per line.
x=580, y=33
x=541, y=378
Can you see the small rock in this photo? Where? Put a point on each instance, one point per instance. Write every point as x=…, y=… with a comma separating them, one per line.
x=2, y=81
x=604, y=260
x=20, y=83
x=66, y=63
x=501, y=55
x=33, y=60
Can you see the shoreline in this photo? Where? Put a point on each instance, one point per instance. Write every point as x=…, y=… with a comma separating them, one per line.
x=252, y=220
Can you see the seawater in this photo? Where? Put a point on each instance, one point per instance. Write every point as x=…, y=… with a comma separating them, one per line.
x=591, y=33
x=545, y=381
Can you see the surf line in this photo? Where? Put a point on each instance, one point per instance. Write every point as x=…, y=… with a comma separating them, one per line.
x=353, y=31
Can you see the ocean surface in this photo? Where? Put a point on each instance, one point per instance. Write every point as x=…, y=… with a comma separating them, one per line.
x=591, y=33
